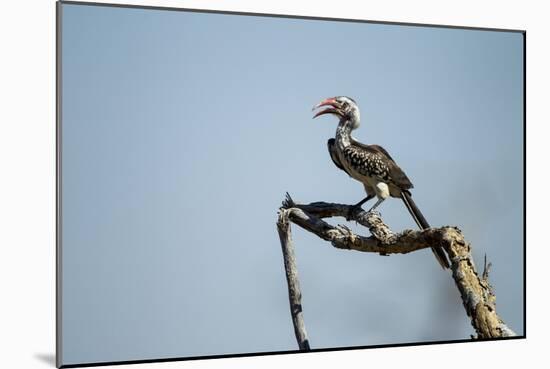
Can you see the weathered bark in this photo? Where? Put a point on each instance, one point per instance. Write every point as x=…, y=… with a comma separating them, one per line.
x=294, y=292
x=476, y=293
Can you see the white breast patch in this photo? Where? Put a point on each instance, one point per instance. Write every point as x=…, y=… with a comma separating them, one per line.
x=382, y=190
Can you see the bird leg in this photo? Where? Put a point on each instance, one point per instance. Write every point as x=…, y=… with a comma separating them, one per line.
x=357, y=206
x=376, y=205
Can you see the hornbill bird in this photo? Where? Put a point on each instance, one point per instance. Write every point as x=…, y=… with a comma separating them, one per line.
x=371, y=165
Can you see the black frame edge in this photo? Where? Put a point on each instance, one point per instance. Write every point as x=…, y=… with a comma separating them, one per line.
x=270, y=353
x=58, y=251
x=525, y=184
x=288, y=16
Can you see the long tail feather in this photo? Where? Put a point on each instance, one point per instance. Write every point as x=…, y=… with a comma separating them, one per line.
x=423, y=224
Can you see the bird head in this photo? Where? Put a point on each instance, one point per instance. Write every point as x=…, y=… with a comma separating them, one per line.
x=345, y=108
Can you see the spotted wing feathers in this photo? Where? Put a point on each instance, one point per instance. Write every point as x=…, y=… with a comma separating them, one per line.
x=375, y=161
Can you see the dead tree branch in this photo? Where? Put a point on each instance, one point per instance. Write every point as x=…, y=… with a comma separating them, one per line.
x=294, y=292
x=476, y=292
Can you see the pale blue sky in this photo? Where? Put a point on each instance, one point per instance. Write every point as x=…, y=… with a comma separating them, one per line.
x=170, y=117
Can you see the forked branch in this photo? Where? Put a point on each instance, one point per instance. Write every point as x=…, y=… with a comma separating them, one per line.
x=476, y=292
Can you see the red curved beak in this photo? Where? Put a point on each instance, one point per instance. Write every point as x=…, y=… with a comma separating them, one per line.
x=331, y=101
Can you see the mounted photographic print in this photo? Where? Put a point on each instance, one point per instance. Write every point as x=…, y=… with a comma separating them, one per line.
x=242, y=184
